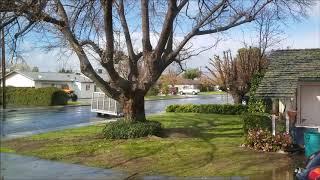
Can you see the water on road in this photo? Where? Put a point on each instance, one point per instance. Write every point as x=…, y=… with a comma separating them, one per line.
x=27, y=120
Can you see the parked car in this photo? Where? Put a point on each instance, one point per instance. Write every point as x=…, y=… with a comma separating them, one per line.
x=193, y=91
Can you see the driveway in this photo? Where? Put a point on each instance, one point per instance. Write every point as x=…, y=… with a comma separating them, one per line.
x=32, y=121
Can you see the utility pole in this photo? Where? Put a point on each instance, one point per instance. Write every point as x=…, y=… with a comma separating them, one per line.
x=3, y=57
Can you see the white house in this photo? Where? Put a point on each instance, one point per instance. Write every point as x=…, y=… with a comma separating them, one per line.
x=82, y=86
x=187, y=84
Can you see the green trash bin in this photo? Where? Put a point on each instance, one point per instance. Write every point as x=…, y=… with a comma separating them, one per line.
x=311, y=143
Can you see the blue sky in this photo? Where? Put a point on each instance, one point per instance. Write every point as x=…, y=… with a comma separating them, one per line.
x=299, y=35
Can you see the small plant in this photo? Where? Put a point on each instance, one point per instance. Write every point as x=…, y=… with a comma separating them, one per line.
x=127, y=130
x=256, y=120
x=263, y=140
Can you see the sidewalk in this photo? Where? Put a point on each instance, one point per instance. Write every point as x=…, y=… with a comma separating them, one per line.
x=21, y=167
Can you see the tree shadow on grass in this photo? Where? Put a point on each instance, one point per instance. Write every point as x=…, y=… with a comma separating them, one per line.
x=204, y=130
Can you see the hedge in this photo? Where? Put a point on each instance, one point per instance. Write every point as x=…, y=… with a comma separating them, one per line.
x=256, y=121
x=208, y=108
x=35, y=96
x=125, y=130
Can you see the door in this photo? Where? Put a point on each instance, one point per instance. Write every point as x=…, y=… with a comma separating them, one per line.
x=310, y=105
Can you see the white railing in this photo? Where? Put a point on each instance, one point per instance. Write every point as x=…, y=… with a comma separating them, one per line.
x=100, y=103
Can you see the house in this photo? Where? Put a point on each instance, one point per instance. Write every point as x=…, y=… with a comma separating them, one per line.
x=293, y=83
x=82, y=86
x=187, y=84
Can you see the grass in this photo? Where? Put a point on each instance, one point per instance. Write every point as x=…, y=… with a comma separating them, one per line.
x=196, y=145
x=74, y=103
x=212, y=93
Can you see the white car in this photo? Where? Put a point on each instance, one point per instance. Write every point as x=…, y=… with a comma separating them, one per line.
x=189, y=91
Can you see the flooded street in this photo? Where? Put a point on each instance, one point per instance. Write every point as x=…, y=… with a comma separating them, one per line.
x=26, y=120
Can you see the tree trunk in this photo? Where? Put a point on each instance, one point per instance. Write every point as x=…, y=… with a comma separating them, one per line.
x=237, y=98
x=133, y=108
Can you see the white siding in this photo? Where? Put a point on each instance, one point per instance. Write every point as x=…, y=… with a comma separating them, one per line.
x=18, y=80
x=309, y=104
x=86, y=90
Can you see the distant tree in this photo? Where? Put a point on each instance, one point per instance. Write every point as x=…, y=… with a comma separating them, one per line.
x=192, y=73
x=207, y=83
x=235, y=74
x=35, y=69
x=171, y=77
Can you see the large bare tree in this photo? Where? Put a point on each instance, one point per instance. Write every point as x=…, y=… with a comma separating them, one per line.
x=234, y=74
x=164, y=28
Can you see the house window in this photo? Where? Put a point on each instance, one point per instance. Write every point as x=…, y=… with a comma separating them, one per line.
x=87, y=87
x=95, y=88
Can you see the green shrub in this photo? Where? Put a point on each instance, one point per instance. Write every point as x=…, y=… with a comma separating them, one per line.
x=153, y=91
x=125, y=130
x=207, y=108
x=256, y=121
x=263, y=140
x=35, y=97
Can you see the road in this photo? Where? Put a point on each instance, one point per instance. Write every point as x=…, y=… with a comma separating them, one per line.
x=45, y=119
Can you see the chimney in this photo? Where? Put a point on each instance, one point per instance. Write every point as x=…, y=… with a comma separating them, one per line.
x=99, y=71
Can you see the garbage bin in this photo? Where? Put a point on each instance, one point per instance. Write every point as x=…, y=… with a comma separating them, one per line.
x=311, y=143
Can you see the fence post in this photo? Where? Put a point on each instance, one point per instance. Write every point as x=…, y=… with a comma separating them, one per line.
x=287, y=123
x=273, y=124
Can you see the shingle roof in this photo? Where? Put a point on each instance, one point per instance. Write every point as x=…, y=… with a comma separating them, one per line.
x=54, y=76
x=286, y=68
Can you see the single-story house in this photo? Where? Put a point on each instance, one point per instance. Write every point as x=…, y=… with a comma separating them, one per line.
x=82, y=86
x=292, y=81
x=187, y=84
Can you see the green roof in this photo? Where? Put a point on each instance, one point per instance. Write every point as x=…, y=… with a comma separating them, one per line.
x=286, y=68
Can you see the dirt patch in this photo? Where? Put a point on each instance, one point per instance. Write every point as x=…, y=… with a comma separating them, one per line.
x=180, y=133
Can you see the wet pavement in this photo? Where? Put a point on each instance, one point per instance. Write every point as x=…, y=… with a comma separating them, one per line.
x=38, y=120
x=31, y=168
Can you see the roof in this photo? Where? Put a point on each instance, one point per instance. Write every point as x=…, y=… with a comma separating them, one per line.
x=53, y=76
x=286, y=69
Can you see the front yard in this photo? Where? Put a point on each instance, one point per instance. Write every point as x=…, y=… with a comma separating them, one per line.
x=194, y=145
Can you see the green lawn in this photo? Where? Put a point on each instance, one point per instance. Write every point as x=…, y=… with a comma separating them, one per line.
x=212, y=93
x=195, y=145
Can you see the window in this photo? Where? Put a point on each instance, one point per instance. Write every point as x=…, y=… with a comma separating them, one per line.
x=87, y=87
x=95, y=88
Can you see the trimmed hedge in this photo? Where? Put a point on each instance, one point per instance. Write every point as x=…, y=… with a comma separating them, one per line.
x=35, y=97
x=125, y=130
x=208, y=108
x=253, y=121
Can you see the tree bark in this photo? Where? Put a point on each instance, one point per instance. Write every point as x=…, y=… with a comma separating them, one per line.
x=237, y=98
x=133, y=108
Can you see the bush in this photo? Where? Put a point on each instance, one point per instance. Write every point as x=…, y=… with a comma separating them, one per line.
x=153, y=91
x=74, y=97
x=256, y=121
x=35, y=97
x=207, y=108
x=125, y=130
x=263, y=140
